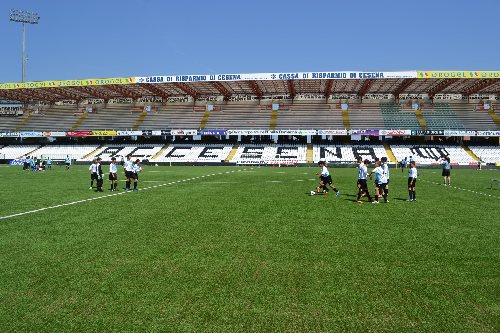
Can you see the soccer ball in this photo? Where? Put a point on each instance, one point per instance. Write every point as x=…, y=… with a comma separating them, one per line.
x=312, y=193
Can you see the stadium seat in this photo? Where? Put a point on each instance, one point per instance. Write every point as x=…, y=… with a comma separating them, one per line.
x=487, y=154
x=430, y=154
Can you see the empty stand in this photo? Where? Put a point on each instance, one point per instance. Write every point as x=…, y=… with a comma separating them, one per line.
x=59, y=152
x=310, y=116
x=366, y=116
x=440, y=116
x=472, y=119
x=239, y=116
x=270, y=154
x=16, y=151
x=487, y=154
x=347, y=153
x=430, y=154
x=397, y=118
x=194, y=153
x=173, y=116
x=140, y=151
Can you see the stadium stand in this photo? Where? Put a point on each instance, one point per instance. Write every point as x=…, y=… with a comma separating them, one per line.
x=55, y=118
x=13, y=152
x=59, y=152
x=239, y=116
x=430, y=154
x=487, y=154
x=112, y=116
x=172, y=116
x=347, y=153
x=194, y=153
x=440, y=116
x=367, y=115
x=310, y=116
x=270, y=154
x=137, y=151
x=473, y=119
x=396, y=118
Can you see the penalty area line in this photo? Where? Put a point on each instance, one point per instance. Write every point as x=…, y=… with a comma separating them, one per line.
x=104, y=196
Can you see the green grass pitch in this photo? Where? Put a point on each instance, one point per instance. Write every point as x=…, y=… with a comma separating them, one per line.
x=248, y=251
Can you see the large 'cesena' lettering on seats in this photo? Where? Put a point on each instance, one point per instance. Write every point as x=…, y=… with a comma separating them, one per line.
x=287, y=153
x=364, y=153
x=327, y=153
x=252, y=153
x=434, y=153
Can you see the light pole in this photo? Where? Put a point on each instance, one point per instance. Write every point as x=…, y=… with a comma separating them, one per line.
x=17, y=15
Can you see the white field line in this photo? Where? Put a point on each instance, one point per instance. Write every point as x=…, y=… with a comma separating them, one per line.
x=108, y=196
x=461, y=189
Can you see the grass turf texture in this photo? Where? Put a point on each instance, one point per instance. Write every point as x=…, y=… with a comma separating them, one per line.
x=248, y=251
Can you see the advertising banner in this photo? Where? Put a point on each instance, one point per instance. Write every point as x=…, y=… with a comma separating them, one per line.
x=364, y=132
x=332, y=132
x=459, y=133
x=147, y=133
x=128, y=133
x=343, y=75
x=488, y=133
x=10, y=134
x=184, y=132
x=79, y=133
x=67, y=83
x=213, y=132
x=272, y=132
x=30, y=134
x=426, y=132
x=395, y=132
x=104, y=133
x=458, y=74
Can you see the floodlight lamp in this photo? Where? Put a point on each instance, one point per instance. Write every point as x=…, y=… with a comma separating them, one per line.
x=17, y=15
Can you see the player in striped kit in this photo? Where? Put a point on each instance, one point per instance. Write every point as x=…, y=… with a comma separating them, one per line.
x=93, y=173
x=136, y=169
x=128, y=166
x=113, y=175
x=412, y=180
x=385, y=168
x=362, y=185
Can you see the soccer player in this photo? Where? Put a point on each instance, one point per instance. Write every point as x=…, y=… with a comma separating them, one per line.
x=128, y=166
x=93, y=173
x=362, y=185
x=446, y=170
x=68, y=162
x=412, y=180
x=326, y=178
x=385, y=167
x=113, y=176
x=380, y=182
x=135, y=174
x=49, y=163
x=99, y=173
x=359, y=163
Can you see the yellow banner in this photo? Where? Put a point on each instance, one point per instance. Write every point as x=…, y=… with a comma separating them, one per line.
x=67, y=83
x=458, y=74
x=103, y=133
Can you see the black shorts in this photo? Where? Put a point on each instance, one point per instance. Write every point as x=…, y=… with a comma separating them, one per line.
x=68, y=164
x=446, y=173
x=135, y=176
x=327, y=179
x=412, y=181
x=93, y=176
x=362, y=184
x=112, y=176
x=129, y=174
x=381, y=186
x=387, y=182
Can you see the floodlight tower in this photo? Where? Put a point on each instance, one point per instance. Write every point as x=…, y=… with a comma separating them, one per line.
x=22, y=16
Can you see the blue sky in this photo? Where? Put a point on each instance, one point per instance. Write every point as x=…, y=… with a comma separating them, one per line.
x=113, y=38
